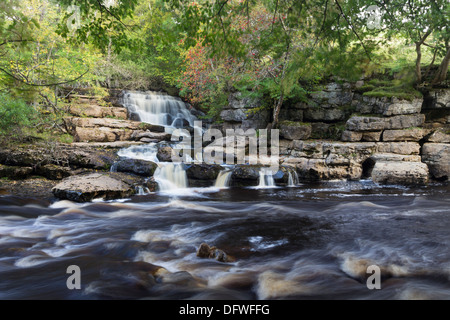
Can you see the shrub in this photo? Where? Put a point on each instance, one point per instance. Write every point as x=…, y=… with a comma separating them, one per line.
x=15, y=115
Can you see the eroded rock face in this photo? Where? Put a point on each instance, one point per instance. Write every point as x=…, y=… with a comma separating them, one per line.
x=87, y=187
x=400, y=172
x=437, y=157
x=414, y=134
x=359, y=123
x=294, y=130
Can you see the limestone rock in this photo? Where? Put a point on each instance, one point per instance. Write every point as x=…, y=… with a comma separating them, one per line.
x=294, y=130
x=371, y=136
x=84, y=188
x=400, y=172
x=398, y=147
x=359, y=123
x=414, y=134
x=351, y=136
x=440, y=136
x=437, y=157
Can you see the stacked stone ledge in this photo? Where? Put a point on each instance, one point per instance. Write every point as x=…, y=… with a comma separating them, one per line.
x=391, y=141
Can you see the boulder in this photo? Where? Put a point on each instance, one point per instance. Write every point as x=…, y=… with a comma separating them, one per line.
x=400, y=172
x=203, y=171
x=294, y=130
x=83, y=188
x=319, y=169
x=246, y=172
x=437, y=157
x=136, y=166
x=205, y=251
x=164, y=154
x=414, y=134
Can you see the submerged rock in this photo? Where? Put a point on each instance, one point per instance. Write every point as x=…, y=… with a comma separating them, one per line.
x=205, y=251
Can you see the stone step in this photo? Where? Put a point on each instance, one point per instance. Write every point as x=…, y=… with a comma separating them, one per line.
x=97, y=111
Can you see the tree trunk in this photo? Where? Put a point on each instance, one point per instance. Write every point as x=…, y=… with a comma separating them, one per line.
x=276, y=112
x=418, y=58
x=441, y=73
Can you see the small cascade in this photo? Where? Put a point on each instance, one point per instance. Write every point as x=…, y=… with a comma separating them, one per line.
x=292, y=179
x=266, y=178
x=223, y=179
x=171, y=176
x=158, y=108
x=142, y=191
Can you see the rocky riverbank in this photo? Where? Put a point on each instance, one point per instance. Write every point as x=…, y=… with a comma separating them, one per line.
x=388, y=140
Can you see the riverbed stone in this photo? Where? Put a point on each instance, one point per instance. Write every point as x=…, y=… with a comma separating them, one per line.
x=136, y=166
x=203, y=171
x=400, y=172
x=83, y=188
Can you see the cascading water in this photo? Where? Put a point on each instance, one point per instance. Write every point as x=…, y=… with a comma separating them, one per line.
x=158, y=108
x=170, y=112
x=292, y=179
x=171, y=176
x=223, y=179
x=266, y=178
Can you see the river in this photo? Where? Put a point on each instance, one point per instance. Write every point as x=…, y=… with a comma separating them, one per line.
x=304, y=241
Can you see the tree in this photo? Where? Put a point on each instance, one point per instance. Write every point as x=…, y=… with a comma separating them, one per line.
x=422, y=23
x=290, y=35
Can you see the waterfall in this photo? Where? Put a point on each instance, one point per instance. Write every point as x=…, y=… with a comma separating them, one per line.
x=171, y=176
x=223, y=179
x=266, y=178
x=158, y=108
x=292, y=179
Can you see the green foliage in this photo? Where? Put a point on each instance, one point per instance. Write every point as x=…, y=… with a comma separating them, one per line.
x=15, y=115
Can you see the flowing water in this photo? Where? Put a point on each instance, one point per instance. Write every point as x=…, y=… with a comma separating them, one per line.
x=309, y=241
x=304, y=241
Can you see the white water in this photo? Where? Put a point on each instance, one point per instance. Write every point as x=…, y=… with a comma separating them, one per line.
x=158, y=108
x=171, y=176
x=292, y=179
x=223, y=179
x=170, y=112
x=266, y=178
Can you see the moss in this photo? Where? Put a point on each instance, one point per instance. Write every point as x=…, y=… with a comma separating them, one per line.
x=294, y=123
x=383, y=92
